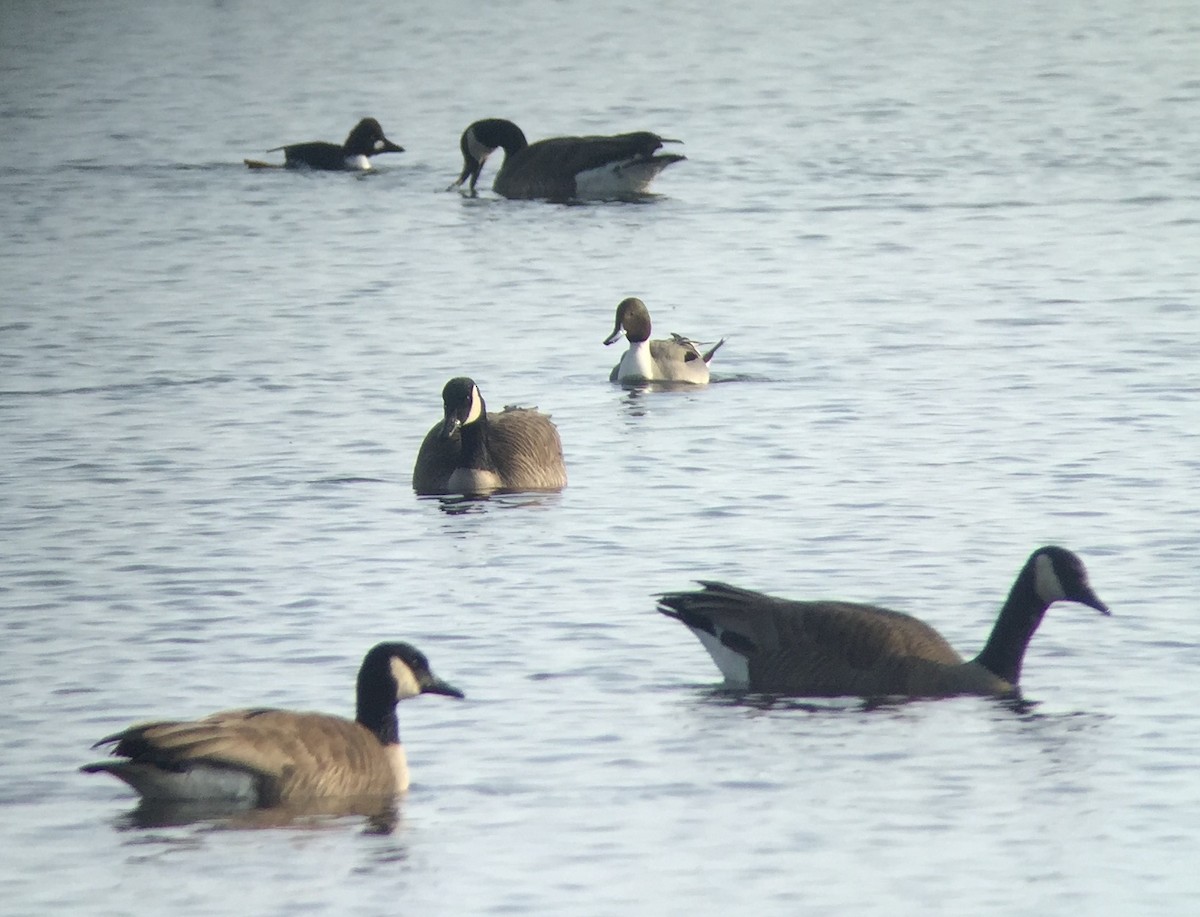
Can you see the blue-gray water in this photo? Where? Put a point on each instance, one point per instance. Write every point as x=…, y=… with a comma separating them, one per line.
x=956, y=252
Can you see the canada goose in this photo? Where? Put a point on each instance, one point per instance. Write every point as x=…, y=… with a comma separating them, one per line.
x=828, y=649
x=365, y=141
x=474, y=451
x=563, y=168
x=674, y=360
x=264, y=757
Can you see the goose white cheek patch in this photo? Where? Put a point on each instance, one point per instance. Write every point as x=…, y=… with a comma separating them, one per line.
x=1046, y=582
x=477, y=150
x=406, y=682
x=476, y=406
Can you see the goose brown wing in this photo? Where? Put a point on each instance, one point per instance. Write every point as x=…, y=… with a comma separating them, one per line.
x=297, y=755
x=526, y=450
x=595, y=151
x=818, y=648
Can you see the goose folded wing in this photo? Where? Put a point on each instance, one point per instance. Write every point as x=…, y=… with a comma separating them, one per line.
x=548, y=168
x=526, y=447
x=295, y=754
x=823, y=648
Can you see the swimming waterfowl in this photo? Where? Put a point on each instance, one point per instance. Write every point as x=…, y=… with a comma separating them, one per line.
x=675, y=360
x=474, y=451
x=265, y=757
x=829, y=649
x=563, y=168
x=365, y=141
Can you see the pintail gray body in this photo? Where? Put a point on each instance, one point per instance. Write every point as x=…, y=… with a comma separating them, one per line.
x=674, y=359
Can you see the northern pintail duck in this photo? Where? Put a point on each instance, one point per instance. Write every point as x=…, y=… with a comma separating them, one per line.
x=263, y=757
x=827, y=649
x=365, y=141
x=476, y=451
x=563, y=168
x=674, y=359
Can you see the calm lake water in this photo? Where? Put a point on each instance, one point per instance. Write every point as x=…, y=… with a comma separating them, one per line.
x=956, y=252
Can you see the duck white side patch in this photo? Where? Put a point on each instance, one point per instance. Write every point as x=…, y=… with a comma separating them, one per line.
x=733, y=665
x=359, y=162
x=1046, y=582
x=406, y=682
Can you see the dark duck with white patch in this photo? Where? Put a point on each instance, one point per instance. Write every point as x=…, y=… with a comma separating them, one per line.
x=366, y=140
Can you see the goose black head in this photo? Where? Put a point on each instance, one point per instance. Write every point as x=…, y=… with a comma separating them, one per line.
x=462, y=403
x=402, y=671
x=1060, y=575
x=480, y=140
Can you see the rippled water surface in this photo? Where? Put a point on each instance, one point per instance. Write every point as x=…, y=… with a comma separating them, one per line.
x=954, y=250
